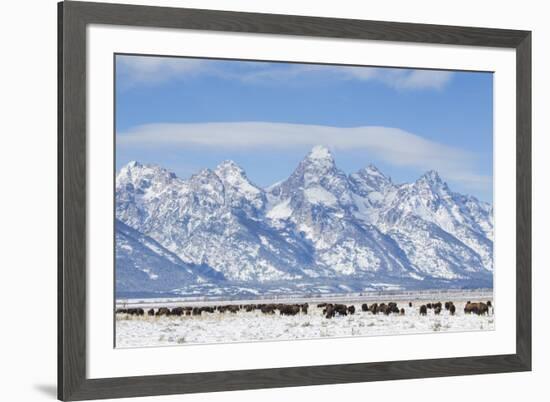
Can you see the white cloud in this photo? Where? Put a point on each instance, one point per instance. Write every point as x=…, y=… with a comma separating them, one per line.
x=417, y=79
x=157, y=70
x=392, y=145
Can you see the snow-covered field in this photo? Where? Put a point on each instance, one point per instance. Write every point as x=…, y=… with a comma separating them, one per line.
x=134, y=331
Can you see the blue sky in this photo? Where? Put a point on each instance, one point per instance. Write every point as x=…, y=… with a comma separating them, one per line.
x=188, y=114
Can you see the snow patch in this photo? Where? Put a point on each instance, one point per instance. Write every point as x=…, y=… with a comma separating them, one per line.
x=320, y=152
x=280, y=211
x=318, y=195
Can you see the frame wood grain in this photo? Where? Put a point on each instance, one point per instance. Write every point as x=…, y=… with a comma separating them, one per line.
x=73, y=18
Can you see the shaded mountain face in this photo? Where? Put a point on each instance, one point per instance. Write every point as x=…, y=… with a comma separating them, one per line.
x=319, y=226
x=142, y=264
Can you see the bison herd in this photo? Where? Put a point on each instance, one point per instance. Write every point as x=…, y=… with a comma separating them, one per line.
x=469, y=308
x=329, y=310
x=283, y=309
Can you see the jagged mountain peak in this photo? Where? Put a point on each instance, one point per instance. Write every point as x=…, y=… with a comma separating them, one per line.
x=144, y=176
x=137, y=169
x=228, y=167
x=133, y=164
x=319, y=160
x=316, y=180
x=204, y=175
x=431, y=182
x=432, y=176
x=237, y=183
x=373, y=170
x=320, y=152
x=370, y=180
x=373, y=174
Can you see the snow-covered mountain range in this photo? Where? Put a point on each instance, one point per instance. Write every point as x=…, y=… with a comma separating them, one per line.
x=318, y=231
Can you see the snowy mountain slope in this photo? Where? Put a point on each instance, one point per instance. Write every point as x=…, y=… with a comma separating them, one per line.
x=213, y=219
x=319, y=225
x=320, y=202
x=429, y=200
x=142, y=263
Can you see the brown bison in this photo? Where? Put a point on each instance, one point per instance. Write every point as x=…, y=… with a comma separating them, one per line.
x=268, y=309
x=232, y=308
x=289, y=309
x=151, y=312
x=364, y=307
x=393, y=307
x=423, y=309
x=351, y=310
x=374, y=308
x=402, y=311
x=452, y=309
x=341, y=309
x=329, y=311
x=437, y=310
x=178, y=311
x=163, y=311
x=476, y=308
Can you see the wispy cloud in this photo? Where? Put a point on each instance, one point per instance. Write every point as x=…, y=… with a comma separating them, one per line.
x=157, y=70
x=392, y=145
x=147, y=70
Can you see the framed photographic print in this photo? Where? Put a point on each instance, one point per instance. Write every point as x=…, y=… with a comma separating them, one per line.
x=255, y=200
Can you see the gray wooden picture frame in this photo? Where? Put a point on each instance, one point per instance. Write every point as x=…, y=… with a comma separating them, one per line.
x=73, y=18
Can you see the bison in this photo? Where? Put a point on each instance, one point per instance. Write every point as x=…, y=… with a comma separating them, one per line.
x=452, y=309
x=232, y=308
x=268, y=309
x=374, y=308
x=351, y=310
x=178, y=311
x=289, y=309
x=341, y=309
x=423, y=309
x=393, y=307
x=329, y=311
x=437, y=310
x=476, y=308
x=163, y=311
x=364, y=307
